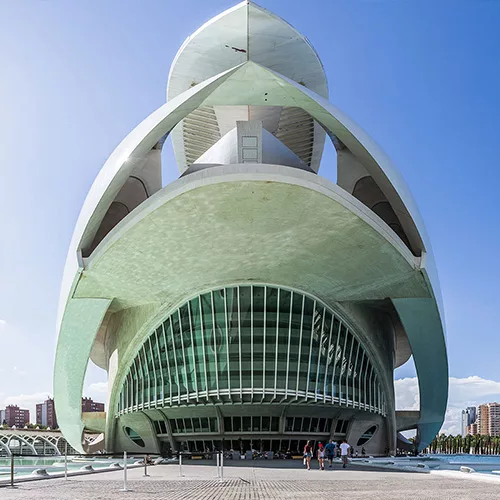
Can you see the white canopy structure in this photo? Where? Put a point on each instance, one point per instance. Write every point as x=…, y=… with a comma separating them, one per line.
x=250, y=285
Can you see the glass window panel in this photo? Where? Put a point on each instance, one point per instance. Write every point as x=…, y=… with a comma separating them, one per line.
x=196, y=424
x=271, y=307
x=180, y=425
x=266, y=424
x=297, y=424
x=245, y=303
x=338, y=426
x=346, y=364
x=270, y=344
x=188, y=425
x=328, y=425
x=228, y=424
x=177, y=352
x=275, y=424
x=247, y=424
x=249, y=141
x=194, y=307
x=234, y=336
x=306, y=343
x=219, y=297
x=315, y=347
x=204, y=424
x=213, y=424
x=258, y=307
x=256, y=424
x=283, y=337
x=237, y=424
x=258, y=336
x=339, y=360
x=306, y=424
x=321, y=424
x=173, y=424
x=314, y=425
x=284, y=313
x=210, y=335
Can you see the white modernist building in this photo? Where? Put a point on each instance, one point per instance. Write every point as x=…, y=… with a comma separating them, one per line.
x=251, y=303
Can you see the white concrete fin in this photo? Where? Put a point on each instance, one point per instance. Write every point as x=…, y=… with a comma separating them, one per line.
x=245, y=32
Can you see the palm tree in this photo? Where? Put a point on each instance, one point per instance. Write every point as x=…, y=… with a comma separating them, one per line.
x=442, y=443
x=468, y=443
x=476, y=443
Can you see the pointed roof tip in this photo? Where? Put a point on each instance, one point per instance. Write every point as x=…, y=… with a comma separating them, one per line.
x=248, y=3
x=233, y=26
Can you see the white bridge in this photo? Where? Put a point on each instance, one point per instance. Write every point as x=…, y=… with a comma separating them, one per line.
x=36, y=442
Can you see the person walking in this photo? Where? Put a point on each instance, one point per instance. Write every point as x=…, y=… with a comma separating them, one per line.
x=345, y=450
x=308, y=454
x=330, y=449
x=321, y=456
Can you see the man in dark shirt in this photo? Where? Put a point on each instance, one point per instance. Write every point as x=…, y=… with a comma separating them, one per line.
x=330, y=450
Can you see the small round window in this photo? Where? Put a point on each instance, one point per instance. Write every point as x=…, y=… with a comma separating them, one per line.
x=367, y=435
x=134, y=437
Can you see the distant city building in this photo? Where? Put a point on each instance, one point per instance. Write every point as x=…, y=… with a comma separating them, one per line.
x=46, y=411
x=472, y=429
x=90, y=406
x=46, y=414
x=494, y=419
x=13, y=415
x=488, y=419
x=468, y=418
x=482, y=419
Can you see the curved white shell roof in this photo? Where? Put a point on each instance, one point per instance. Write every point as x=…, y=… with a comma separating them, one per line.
x=246, y=32
x=94, y=284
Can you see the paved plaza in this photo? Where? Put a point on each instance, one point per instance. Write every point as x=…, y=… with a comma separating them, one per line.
x=259, y=481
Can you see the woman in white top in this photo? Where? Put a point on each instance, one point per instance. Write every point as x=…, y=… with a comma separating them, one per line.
x=321, y=456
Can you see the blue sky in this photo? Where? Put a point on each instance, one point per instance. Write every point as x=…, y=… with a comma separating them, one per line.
x=422, y=77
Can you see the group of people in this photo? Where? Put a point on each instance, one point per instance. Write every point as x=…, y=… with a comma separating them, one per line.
x=328, y=452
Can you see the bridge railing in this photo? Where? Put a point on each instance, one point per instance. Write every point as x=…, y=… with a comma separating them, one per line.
x=29, y=467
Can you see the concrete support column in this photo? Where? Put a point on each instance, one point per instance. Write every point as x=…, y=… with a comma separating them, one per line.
x=220, y=420
x=334, y=425
x=173, y=443
x=282, y=420
x=350, y=426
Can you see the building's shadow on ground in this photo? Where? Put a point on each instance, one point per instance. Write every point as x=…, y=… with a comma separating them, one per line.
x=287, y=464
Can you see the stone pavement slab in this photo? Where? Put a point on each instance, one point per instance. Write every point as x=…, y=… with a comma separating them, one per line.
x=256, y=482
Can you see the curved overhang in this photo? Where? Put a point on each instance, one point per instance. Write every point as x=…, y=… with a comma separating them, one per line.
x=315, y=241
x=233, y=85
x=180, y=214
x=246, y=84
x=133, y=264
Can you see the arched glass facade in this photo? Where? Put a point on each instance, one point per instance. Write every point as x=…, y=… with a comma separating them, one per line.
x=255, y=344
